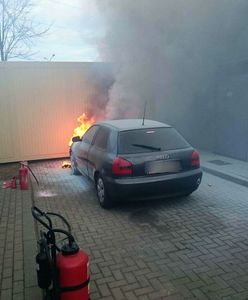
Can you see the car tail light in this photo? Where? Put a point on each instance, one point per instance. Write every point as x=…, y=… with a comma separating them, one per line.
x=195, y=159
x=121, y=166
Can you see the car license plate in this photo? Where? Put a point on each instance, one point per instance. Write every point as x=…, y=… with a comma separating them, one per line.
x=161, y=166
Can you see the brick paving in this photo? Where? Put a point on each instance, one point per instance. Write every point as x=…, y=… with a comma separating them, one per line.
x=189, y=248
x=18, y=241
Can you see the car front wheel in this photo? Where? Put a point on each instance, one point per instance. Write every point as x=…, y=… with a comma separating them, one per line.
x=102, y=194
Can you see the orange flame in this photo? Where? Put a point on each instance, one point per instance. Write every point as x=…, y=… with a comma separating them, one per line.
x=86, y=122
x=66, y=164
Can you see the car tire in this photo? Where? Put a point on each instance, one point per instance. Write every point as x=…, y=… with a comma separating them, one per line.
x=102, y=195
x=187, y=194
x=74, y=168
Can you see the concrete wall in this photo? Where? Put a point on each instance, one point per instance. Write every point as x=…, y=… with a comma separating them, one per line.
x=39, y=105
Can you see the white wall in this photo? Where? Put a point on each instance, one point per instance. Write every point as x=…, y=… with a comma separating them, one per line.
x=39, y=105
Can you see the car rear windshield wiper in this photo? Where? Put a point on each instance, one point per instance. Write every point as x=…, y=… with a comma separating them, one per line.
x=147, y=147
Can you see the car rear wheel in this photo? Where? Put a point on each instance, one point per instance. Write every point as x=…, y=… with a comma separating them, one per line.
x=102, y=194
x=186, y=194
x=74, y=168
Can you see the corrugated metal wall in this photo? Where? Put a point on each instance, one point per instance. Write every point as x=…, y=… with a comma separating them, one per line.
x=39, y=105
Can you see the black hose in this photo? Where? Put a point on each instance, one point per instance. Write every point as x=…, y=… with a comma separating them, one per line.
x=62, y=218
x=37, y=181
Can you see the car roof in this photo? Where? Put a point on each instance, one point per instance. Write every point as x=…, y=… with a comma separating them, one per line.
x=129, y=124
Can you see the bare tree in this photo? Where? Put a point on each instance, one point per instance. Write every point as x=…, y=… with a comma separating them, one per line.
x=17, y=29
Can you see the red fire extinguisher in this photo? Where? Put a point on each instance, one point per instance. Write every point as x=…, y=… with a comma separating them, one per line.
x=73, y=270
x=23, y=177
x=62, y=272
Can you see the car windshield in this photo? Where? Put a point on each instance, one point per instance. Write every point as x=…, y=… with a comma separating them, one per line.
x=148, y=140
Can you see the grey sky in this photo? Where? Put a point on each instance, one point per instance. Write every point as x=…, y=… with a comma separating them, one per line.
x=77, y=29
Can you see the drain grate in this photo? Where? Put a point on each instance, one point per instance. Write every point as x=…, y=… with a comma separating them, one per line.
x=219, y=162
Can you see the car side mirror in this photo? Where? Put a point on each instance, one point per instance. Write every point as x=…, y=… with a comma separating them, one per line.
x=76, y=139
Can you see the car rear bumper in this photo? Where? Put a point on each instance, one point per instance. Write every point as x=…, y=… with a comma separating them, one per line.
x=153, y=186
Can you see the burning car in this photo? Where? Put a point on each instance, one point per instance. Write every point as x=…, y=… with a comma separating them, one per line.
x=129, y=159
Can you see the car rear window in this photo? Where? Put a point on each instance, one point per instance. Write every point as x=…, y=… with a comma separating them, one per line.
x=148, y=140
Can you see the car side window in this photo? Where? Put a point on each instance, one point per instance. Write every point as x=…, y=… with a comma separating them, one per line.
x=90, y=134
x=102, y=137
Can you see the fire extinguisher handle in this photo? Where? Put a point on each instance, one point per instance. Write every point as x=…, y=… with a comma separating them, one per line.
x=38, y=214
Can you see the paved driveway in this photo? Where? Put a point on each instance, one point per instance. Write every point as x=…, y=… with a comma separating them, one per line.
x=192, y=247
x=17, y=241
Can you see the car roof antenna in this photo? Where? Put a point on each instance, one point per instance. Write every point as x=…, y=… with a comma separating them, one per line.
x=143, y=122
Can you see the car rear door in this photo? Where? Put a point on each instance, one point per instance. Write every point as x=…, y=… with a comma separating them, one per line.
x=98, y=153
x=84, y=147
